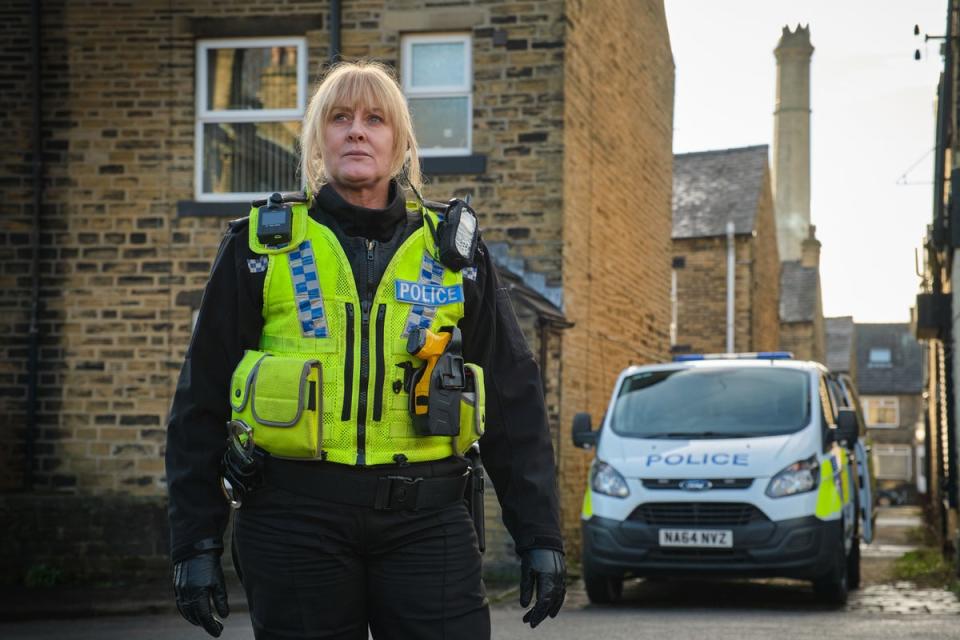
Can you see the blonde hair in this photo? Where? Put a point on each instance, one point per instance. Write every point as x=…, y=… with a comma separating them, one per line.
x=362, y=83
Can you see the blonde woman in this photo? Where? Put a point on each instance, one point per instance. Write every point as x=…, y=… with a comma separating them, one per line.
x=353, y=515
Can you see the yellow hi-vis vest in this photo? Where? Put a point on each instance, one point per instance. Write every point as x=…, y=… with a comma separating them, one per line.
x=327, y=382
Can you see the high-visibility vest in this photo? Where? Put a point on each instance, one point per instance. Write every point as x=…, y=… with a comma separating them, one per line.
x=328, y=379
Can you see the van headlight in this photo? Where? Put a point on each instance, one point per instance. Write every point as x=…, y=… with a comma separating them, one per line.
x=799, y=477
x=607, y=480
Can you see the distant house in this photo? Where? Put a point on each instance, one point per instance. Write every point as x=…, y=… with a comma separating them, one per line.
x=713, y=192
x=841, y=345
x=890, y=381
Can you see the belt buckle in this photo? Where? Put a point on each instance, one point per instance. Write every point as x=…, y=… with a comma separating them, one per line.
x=397, y=492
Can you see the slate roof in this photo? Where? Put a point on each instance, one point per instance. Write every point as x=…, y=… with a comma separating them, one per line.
x=798, y=292
x=904, y=375
x=712, y=187
x=840, y=332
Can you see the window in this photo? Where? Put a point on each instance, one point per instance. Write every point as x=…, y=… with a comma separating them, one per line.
x=880, y=357
x=437, y=79
x=893, y=462
x=250, y=96
x=882, y=412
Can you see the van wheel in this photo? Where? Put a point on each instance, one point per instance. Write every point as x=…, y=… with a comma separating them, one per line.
x=853, y=566
x=602, y=589
x=832, y=589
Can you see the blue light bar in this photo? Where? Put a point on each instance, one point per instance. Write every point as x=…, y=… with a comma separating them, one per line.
x=758, y=355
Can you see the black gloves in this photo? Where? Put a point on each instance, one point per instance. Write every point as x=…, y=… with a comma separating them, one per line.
x=544, y=567
x=197, y=581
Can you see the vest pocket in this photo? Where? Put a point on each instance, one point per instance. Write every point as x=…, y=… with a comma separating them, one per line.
x=472, y=403
x=281, y=399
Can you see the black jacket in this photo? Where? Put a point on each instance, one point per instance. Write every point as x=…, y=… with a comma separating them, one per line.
x=516, y=447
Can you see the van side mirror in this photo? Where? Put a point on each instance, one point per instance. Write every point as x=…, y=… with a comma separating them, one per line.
x=848, y=430
x=583, y=435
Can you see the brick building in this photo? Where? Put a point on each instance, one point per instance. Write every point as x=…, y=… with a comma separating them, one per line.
x=890, y=381
x=802, y=329
x=158, y=120
x=712, y=189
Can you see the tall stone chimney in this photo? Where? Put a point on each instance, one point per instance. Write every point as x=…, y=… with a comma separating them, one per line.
x=791, y=141
x=810, y=250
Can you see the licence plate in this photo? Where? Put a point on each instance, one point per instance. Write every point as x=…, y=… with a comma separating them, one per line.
x=711, y=538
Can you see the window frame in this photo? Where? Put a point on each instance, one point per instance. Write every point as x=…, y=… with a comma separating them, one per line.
x=901, y=450
x=450, y=91
x=204, y=116
x=868, y=402
x=880, y=363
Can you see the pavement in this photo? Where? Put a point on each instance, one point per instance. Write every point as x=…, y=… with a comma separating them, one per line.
x=896, y=529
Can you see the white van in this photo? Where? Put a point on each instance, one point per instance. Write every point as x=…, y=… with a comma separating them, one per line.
x=732, y=465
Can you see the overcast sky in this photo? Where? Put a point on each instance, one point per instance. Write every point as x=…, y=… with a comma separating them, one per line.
x=873, y=119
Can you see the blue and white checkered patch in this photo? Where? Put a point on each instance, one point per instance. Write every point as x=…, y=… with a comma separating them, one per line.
x=420, y=316
x=306, y=291
x=470, y=273
x=257, y=265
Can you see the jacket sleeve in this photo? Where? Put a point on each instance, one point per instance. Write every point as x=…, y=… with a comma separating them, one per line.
x=516, y=448
x=196, y=430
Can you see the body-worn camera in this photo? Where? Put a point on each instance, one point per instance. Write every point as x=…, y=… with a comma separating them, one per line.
x=458, y=235
x=275, y=218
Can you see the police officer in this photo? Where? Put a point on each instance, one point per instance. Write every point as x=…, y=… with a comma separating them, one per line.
x=356, y=517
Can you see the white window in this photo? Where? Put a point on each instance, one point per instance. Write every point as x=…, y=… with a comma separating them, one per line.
x=880, y=357
x=437, y=77
x=882, y=412
x=893, y=462
x=250, y=101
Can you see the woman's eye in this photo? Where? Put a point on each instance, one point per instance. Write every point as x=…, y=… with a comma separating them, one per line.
x=339, y=117
x=376, y=119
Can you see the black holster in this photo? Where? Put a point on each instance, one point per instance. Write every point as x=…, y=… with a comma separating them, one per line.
x=474, y=494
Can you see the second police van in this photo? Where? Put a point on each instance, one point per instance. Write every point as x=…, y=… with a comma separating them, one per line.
x=736, y=465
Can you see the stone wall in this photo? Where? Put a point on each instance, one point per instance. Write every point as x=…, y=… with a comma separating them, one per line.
x=617, y=212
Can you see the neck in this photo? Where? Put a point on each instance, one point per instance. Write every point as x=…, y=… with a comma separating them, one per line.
x=366, y=196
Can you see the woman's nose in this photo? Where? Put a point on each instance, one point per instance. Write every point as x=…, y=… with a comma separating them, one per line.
x=356, y=131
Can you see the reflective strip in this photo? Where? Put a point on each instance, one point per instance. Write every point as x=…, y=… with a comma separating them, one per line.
x=306, y=291
x=829, y=502
x=587, y=510
x=257, y=265
x=421, y=316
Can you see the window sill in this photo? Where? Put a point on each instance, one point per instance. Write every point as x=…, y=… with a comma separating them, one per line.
x=454, y=165
x=192, y=209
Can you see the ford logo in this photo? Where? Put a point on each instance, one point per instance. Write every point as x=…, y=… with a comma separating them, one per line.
x=696, y=485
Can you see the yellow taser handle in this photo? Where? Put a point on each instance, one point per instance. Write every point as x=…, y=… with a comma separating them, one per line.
x=429, y=346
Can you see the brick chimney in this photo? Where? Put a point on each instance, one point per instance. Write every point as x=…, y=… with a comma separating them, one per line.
x=810, y=256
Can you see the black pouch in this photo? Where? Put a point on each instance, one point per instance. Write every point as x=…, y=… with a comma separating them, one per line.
x=473, y=495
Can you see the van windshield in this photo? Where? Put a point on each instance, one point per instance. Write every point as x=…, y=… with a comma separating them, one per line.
x=712, y=403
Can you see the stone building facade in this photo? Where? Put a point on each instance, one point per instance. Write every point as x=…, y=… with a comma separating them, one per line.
x=126, y=240
x=713, y=188
x=802, y=327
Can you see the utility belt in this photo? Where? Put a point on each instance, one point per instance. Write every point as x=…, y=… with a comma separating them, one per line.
x=382, y=493
x=246, y=468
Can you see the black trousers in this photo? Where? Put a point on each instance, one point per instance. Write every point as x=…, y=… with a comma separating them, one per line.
x=318, y=569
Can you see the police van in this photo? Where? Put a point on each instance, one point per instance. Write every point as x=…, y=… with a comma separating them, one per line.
x=733, y=465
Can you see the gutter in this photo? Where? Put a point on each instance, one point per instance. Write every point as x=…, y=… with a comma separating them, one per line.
x=34, y=330
x=335, y=6
x=731, y=283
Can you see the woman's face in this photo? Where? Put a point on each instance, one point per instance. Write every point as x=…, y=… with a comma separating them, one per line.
x=357, y=148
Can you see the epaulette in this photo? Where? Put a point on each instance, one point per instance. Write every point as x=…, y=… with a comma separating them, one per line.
x=286, y=196
x=237, y=226
x=438, y=207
